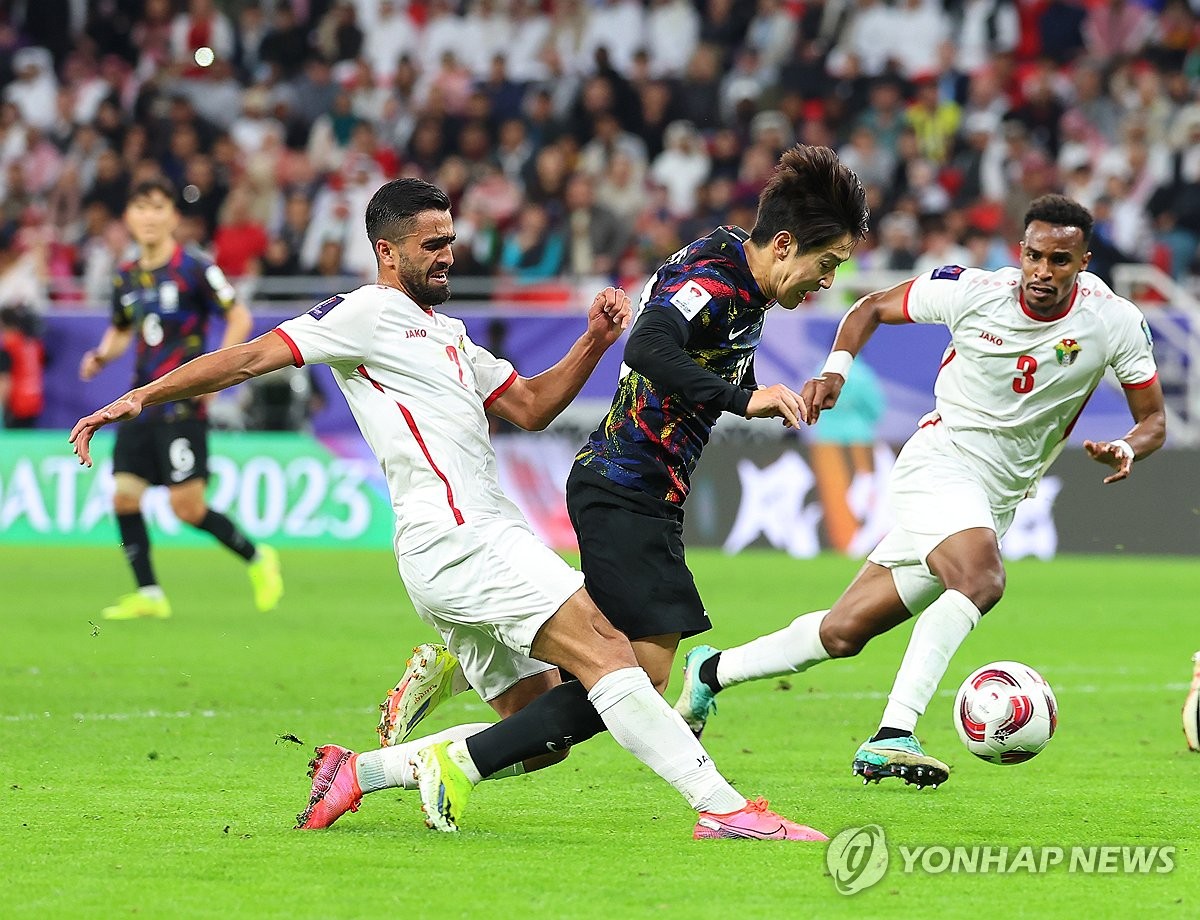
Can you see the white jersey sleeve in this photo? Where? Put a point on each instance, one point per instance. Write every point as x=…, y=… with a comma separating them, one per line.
x=492, y=375
x=1131, y=347
x=340, y=330
x=938, y=296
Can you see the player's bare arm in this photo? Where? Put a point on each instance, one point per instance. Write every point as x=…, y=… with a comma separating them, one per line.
x=533, y=403
x=206, y=374
x=112, y=345
x=1144, y=438
x=854, y=331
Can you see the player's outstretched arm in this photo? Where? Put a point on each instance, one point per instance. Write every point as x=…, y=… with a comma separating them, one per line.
x=1144, y=438
x=206, y=374
x=854, y=331
x=533, y=403
x=112, y=345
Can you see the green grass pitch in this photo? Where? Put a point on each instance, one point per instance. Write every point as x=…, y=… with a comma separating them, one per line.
x=144, y=772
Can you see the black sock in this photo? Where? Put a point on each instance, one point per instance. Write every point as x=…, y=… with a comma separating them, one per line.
x=554, y=721
x=227, y=532
x=708, y=673
x=886, y=734
x=136, y=542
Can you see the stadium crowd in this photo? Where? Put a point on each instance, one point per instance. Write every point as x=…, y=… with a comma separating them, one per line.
x=586, y=137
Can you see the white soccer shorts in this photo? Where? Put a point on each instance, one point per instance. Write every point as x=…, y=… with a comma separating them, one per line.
x=487, y=589
x=935, y=493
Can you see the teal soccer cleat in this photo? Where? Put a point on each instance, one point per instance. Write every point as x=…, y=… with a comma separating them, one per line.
x=902, y=758
x=697, y=701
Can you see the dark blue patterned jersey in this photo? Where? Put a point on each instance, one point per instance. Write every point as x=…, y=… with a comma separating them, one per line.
x=653, y=434
x=168, y=310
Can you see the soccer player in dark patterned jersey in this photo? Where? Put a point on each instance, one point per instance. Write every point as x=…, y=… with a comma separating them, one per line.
x=164, y=299
x=688, y=359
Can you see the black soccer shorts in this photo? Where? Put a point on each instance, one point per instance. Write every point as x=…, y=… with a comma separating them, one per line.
x=631, y=553
x=164, y=453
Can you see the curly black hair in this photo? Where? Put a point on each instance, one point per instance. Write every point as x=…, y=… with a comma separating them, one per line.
x=1062, y=212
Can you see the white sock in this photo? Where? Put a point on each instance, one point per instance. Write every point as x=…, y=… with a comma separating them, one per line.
x=796, y=647
x=641, y=722
x=153, y=591
x=939, y=631
x=391, y=767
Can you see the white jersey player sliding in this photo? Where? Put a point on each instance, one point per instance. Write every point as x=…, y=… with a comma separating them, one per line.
x=508, y=607
x=1028, y=347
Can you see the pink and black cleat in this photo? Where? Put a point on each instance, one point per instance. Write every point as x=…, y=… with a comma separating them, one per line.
x=335, y=789
x=754, y=822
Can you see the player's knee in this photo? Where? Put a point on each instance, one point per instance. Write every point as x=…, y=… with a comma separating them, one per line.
x=842, y=640
x=189, y=511
x=124, y=503
x=984, y=587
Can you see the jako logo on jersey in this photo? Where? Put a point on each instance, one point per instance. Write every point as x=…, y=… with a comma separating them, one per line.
x=318, y=312
x=991, y=337
x=1066, y=352
x=948, y=273
x=415, y=334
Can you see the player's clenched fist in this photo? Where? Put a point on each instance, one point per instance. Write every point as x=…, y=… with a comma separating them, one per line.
x=609, y=315
x=821, y=393
x=777, y=401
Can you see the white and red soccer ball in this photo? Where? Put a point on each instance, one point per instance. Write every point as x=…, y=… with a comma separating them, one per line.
x=1005, y=712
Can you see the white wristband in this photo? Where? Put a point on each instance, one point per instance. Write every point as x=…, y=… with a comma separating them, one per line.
x=839, y=363
x=1123, y=447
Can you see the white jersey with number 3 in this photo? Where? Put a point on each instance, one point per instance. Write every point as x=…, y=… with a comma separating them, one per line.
x=418, y=388
x=1012, y=383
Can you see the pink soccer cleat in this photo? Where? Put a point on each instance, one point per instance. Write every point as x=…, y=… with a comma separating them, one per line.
x=754, y=822
x=335, y=788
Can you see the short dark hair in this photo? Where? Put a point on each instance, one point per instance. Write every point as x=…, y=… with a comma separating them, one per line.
x=392, y=208
x=812, y=196
x=1062, y=212
x=154, y=184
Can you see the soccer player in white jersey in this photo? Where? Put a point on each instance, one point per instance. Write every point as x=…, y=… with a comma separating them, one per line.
x=509, y=609
x=1029, y=346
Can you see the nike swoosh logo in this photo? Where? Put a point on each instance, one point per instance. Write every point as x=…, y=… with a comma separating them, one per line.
x=734, y=335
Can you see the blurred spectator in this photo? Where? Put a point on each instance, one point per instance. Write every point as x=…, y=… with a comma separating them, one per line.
x=392, y=36
x=239, y=242
x=285, y=46
x=337, y=36
x=22, y=271
x=672, y=34
x=22, y=368
x=203, y=26
x=34, y=91
x=595, y=236
x=1115, y=28
x=533, y=249
x=682, y=167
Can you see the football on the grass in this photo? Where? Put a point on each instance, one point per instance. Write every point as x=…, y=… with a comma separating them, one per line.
x=1005, y=712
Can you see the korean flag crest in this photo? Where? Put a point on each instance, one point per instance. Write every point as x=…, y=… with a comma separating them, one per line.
x=1066, y=352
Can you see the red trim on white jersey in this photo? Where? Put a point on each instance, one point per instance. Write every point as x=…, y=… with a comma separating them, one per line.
x=1083, y=405
x=1048, y=319
x=904, y=305
x=500, y=390
x=1139, y=386
x=416, y=433
x=946, y=360
x=930, y=422
x=297, y=358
